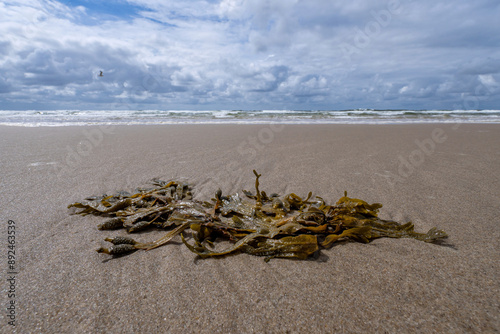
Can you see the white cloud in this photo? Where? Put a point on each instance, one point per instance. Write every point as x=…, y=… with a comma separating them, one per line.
x=488, y=80
x=236, y=54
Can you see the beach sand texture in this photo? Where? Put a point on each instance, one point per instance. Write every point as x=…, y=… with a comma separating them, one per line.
x=435, y=175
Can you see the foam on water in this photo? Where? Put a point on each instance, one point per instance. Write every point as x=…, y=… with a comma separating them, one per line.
x=34, y=118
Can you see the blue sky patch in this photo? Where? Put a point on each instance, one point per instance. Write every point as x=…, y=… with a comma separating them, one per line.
x=107, y=10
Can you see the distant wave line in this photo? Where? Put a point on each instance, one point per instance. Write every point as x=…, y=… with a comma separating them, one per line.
x=146, y=117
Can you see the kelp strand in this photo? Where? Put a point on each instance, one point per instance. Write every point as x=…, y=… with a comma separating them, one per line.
x=257, y=224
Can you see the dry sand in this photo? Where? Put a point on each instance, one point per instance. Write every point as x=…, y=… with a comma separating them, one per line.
x=434, y=175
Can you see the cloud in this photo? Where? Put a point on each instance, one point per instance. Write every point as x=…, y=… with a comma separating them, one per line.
x=248, y=54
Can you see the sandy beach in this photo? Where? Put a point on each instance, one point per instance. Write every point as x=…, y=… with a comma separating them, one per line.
x=435, y=175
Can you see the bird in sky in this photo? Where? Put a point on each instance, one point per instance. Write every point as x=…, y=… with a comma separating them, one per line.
x=100, y=74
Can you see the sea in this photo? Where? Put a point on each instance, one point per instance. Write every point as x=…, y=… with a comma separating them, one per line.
x=37, y=118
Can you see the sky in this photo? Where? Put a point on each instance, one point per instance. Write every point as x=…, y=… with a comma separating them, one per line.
x=249, y=54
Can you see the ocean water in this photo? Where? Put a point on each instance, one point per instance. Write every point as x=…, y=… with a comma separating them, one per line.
x=34, y=118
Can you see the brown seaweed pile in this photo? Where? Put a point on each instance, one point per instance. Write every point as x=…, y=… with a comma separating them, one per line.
x=256, y=223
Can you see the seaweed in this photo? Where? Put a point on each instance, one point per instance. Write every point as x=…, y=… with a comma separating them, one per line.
x=257, y=224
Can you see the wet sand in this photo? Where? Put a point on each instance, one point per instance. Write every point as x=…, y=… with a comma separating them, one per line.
x=431, y=174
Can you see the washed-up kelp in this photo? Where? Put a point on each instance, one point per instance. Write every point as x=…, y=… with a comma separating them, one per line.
x=253, y=223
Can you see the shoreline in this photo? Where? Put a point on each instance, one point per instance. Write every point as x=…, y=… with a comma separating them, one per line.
x=213, y=117
x=431, y=174
x=360, y=122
